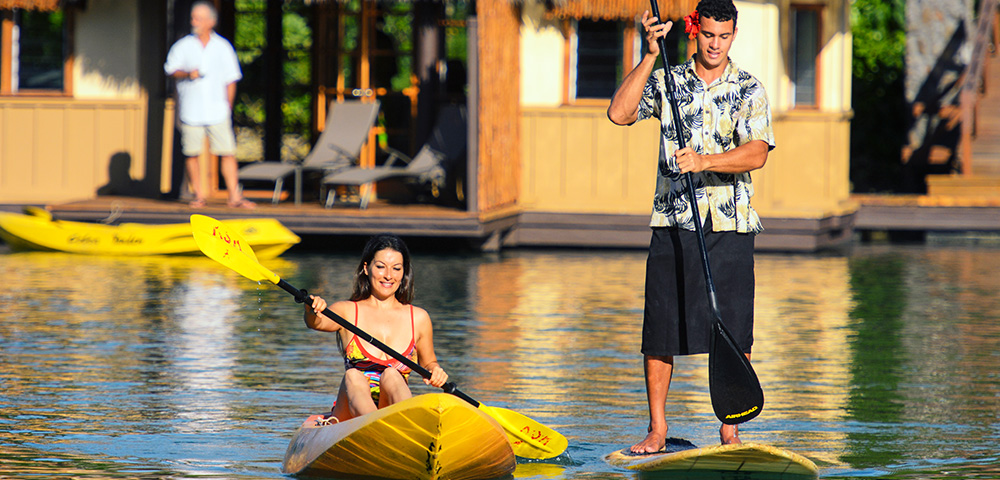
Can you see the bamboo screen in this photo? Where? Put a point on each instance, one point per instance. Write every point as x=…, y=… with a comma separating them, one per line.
x=499, y=107
x=620, y=9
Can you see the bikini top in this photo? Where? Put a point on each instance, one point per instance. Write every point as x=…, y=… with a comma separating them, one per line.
x=356, y=356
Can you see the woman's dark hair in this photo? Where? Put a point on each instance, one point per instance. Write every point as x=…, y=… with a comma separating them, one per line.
x=718, y=10
x=362, y=283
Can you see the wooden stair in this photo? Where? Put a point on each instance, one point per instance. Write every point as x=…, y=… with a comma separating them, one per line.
x=983, y=179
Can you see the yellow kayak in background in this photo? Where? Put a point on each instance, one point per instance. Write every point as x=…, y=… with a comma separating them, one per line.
x=432, y=436
x=39, y=231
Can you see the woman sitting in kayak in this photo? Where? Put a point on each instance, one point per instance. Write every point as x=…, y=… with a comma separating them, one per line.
x=380, y=305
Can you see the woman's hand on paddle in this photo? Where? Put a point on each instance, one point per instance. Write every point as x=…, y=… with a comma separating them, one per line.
x=314, y=317
x=438, y=376
x=318, y=304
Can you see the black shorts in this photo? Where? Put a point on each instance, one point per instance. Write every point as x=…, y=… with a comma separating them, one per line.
x=677, y=318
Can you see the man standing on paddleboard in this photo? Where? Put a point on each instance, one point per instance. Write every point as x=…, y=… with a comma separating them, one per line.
x=727, y=127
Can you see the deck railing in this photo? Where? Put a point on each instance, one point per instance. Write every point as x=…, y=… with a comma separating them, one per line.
x=974, y=81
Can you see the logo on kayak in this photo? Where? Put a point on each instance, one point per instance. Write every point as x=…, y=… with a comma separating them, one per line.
x=742, y=414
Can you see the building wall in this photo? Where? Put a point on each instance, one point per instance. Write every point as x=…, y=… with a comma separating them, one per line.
x=542, y=53
x=107, y=63
x=56, y=149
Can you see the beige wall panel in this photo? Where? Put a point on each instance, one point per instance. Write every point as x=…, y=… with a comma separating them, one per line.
x=81, y=143
x=643, y=155
x=543, y=171
x=19, y=151
x=110, y=139
x=611, y=159
x=56, y=150
x=576, y=161
x=48, y=151
x=807, y=174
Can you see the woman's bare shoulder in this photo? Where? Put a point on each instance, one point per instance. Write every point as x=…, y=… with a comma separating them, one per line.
x=343, y=308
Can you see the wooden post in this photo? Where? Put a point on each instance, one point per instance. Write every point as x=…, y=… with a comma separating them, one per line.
x=967, y=100
x=6, y=61
x=472, y=75
x=273, y=56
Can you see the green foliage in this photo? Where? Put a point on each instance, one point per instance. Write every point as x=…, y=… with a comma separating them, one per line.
x=296, y=69
x=879, y=31
x=878, y=129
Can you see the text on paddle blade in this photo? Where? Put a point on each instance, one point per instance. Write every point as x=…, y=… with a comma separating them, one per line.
x=536, y=436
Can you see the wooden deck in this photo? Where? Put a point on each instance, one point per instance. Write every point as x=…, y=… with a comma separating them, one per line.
x=508, y=228
x=483, y=232
x=514, y=228
x=928, y=213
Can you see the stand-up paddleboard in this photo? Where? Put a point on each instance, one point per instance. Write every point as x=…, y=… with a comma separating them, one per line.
x=682, y=455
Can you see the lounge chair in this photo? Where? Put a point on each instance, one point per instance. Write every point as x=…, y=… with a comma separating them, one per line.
x=347, y=127
x=446, y=144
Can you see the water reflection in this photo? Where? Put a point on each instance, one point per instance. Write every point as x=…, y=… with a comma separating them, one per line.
x=879, y=363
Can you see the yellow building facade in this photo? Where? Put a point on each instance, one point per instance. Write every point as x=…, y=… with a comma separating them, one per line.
x=57, y=141
x=543, y=155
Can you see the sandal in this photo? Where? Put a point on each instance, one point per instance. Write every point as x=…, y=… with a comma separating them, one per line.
x=242, y=203
x=198, y=203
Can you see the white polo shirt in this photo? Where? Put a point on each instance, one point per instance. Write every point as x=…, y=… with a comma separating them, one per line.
x=204, y=101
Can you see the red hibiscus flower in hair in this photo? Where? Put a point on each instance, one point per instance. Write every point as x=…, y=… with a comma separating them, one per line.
x=692, y=25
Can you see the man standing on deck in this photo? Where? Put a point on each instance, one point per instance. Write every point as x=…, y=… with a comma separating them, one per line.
x=727, y=124
x=206, y=69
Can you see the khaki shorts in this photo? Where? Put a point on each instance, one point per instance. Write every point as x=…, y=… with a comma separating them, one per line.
x=221, y=139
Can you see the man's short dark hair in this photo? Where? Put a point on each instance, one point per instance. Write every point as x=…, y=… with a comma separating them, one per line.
x=718, y=10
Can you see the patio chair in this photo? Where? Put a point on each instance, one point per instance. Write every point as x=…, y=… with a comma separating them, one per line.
x=446, y=144
x=347, y=127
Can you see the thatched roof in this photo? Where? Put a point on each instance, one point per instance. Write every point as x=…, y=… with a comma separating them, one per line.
x=619, y=9
x=43, y=5
x=600, y=9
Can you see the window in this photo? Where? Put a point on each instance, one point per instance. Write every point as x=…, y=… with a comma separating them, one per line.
x=35, y=52
x=599, y=58
x=805, y=51
x=599, y=53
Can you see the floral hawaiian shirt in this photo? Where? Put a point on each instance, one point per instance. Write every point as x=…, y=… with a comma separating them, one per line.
x=730, y=112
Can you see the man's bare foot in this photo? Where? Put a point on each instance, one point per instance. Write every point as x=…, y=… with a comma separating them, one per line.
x=655, y=440
x=730, y=434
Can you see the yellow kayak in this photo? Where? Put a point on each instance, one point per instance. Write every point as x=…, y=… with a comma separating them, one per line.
x=39, y=231
x=433, y=436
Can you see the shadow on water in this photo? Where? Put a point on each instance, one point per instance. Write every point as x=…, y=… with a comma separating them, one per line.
x=879, y=363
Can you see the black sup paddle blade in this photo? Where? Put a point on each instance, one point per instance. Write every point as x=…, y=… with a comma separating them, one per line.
x=735, y=390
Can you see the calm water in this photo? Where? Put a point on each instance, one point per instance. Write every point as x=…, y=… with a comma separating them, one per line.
x=879, y=363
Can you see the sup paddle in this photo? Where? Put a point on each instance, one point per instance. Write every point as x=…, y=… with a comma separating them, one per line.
x=528, y=438
x=732, y=382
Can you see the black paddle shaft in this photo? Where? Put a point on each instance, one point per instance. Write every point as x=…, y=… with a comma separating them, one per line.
x=737, y=396
x=302, y=297
x=681, y=143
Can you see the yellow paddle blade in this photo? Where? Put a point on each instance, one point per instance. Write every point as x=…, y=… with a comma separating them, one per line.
x=528, y=438
x=229, y=248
